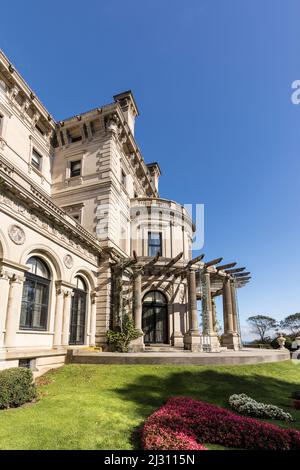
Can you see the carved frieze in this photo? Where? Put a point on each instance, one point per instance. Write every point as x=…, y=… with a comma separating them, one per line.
x=42, y=223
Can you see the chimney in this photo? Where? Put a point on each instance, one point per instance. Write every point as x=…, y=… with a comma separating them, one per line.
x=129, y=107
x=154, y=172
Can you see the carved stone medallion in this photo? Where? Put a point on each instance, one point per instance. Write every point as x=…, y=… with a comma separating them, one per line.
x=68, y=261
x=16, y=234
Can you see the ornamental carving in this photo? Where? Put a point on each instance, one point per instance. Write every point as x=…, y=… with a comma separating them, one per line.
x=68, y=261
x=16, y=234
x=43, y=224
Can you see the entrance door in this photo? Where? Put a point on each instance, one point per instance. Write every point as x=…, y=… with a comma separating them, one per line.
x=78, y=314
x=155, y=325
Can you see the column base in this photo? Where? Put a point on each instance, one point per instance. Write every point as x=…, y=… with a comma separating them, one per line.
x=211, y=343
x=231, y=341
x=137, y=345
x=192, y=341
x=177, y=340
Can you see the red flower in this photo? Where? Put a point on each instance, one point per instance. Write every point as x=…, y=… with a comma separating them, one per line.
x=183, y=423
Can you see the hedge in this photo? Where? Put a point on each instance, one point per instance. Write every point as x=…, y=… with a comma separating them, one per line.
x=16, y=387
x=200, y=422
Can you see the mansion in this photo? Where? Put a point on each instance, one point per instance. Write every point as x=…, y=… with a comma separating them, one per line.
x=85, y=237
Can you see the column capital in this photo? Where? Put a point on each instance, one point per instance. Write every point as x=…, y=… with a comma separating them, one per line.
x=16, y=278
x=4, y=275
x=93, y=297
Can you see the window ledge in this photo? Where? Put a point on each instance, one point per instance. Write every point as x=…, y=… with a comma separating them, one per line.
x=34, y=332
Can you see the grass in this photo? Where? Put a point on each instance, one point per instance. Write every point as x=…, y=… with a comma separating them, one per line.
x=101, y=407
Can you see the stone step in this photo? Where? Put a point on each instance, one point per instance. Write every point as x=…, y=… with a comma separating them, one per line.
x=163, y=348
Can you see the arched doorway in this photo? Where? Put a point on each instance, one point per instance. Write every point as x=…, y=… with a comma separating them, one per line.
x=155, y=318
x=78, y=312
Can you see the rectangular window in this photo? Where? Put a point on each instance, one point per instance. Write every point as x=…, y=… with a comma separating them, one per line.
x=25, y=363
x=154, y=243
x=36, y=160
x=123, y=178
x=75, y=168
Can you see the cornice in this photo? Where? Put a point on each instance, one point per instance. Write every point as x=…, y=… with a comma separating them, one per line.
x=19, y=82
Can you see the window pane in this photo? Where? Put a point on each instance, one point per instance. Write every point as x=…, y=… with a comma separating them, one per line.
x=38, y=267
x=154, y=243
x=75, y=168
x=41, y=269
x=34, y=309
x=80, y=284
x=36, y=159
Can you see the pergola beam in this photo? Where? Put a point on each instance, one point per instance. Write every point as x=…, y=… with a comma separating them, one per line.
x=153, y=261
x=241, y=274
x=174, y=260
x=213, y=262
x=236, y=270
x=194, y=261
x=225, y=266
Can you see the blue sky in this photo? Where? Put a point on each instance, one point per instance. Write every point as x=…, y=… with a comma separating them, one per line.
x=212, y=79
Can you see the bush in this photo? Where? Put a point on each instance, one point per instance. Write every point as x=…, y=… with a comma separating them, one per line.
x=205, y=423
x=247, y=406
x=121, y=339
x=16, y=387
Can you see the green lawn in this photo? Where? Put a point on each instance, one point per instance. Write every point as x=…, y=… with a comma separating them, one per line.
x=101, y=407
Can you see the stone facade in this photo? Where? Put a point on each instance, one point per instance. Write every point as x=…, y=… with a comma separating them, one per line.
x=77, y=196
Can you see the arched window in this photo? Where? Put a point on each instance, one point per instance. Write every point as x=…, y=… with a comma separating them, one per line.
x=155, y=319
x=35, y=298
x=78, y=312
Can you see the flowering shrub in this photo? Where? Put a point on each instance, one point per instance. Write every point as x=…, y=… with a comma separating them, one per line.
x=184, y=423
x=163, y=438
x=247, y=406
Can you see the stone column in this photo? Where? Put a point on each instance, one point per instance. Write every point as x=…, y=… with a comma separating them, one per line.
x=66, y=316
x=235, y=314
x=13, y=310
x=207, y=306
x=211, y=340
x=228, y=306
x=137, y=301
x=178, y=311
x=192, y=338
x=93, y=320
x=234, y=310
x=4, y=292
x=214, y=314
x=229, y=338
x=59, y=306
x=137, y=344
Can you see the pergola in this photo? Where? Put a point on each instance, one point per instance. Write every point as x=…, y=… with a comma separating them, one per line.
x=205, y=280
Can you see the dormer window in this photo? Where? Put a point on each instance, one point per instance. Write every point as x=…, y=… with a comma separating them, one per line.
x=75, y=168
x=36, y=160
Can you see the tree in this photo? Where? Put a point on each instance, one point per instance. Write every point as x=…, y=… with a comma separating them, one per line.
x=292, y=323
x=261, y=324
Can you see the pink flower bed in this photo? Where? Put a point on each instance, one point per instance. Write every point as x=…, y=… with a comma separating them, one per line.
x=183, y=424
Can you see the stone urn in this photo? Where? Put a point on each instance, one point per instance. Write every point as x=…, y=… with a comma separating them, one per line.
x=281, y=341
